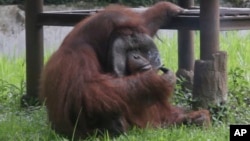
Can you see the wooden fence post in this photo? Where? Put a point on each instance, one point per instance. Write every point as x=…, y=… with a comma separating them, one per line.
x=34, y=50
x=185, y=52
x=210, y=75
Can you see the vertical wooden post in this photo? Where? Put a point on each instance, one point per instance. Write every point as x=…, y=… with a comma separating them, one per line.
x=34, y=50
x=210, y=73
x=209, y=28
x=185, y=52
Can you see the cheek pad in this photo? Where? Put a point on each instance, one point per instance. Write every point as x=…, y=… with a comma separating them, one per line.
x=121, y=44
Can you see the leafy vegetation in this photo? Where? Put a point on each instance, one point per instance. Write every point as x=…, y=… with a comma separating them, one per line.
x=31, y=124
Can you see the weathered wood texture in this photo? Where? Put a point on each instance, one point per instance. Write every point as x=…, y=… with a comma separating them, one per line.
x=210, y=81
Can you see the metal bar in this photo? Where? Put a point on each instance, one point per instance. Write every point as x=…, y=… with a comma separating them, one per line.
x=191, y=9
x=180, y=22
x=185, y=43
x=183, y=22
x=61, y=19
x=34, y=48
x=74, y=11
x=235, y=23
x=53, y=19
x=209, y=28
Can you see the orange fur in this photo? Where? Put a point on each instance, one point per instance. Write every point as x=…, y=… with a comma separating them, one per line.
x=80, y=92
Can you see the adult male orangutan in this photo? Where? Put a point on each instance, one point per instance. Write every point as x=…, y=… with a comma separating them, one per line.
x=105, y=75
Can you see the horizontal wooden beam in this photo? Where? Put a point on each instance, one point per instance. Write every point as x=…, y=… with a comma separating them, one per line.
x=230, y=19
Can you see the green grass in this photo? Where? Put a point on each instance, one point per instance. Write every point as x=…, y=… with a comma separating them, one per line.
x=31, y=124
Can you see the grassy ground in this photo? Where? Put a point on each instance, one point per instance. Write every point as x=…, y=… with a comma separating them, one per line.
x=31, y=124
